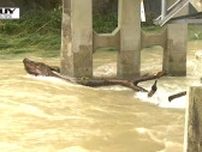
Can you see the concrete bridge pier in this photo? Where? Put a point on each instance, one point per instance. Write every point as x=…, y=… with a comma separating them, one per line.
x=130, y=39
x=193, y=128
x=77, y=39
x=174, y=59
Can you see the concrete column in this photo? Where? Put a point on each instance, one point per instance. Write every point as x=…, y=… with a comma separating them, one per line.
x=130, y=39
x=174, y=62
x=76, y=54
x=163, y=8
x=193, y=127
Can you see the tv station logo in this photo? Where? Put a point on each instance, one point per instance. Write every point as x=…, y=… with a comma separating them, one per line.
x=9, y=13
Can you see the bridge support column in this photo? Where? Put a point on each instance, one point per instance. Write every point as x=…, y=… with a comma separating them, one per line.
x=193, y=128
x=174, y=62
x=76, y=54
x=130, y=39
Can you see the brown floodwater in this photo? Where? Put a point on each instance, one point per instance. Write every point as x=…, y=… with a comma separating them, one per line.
x=45, y=114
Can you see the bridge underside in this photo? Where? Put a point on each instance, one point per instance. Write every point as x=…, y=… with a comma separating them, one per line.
x=79, y=41
x=188, y=19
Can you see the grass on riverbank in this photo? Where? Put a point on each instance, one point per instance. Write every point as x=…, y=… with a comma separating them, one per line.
x=47, y=45
x=38, y=33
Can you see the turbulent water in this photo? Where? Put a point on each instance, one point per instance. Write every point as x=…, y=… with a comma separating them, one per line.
x=40, y=114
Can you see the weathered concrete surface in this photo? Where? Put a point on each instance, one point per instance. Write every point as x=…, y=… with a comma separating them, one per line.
x=76, y=54
x=197, y=4
x=107, y=40
x=130, y=39
x=198, y=64
x=184, y=11
x=149, y=39
x=193, y=128
x=174, y=59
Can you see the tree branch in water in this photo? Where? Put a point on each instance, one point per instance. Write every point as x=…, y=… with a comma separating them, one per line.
x=153, y=89
x=40, y=68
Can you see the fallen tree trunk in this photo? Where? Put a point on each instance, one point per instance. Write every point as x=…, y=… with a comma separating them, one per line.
x=149, y=77
x=39, y=68
x=172, y=97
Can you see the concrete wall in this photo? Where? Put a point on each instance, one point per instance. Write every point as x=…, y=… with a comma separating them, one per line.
x=107, y=40
x=149, y=39
x=77, y=35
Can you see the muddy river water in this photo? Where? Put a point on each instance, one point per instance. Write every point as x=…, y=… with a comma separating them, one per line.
x=40, y=114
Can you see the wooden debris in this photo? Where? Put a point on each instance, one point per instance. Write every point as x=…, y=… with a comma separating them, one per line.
x=172, y=97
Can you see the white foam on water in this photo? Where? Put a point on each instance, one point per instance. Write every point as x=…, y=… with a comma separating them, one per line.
x=152, y=134
x=54, y=81
x=47, y=78
x=141, y=130
x=160, y=98
x=9, y=147
x=171, y=146
x=179, y=103
x=113, y=88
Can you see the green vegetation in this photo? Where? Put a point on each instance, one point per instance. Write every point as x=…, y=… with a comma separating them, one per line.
x=105, y=23
x=195, y=32
x=38, y=33
x=151, y=28
x=35, y=44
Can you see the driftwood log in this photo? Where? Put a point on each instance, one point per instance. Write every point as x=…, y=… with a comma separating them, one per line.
x=39, y=68
x=177, y=95
x=153, y=89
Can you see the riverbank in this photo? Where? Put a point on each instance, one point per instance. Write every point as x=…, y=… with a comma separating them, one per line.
x=39, y=33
